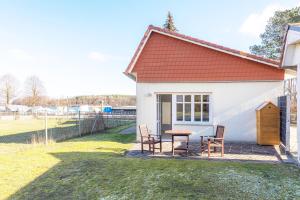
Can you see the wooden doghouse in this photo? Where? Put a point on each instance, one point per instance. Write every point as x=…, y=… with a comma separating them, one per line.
x=267, y=124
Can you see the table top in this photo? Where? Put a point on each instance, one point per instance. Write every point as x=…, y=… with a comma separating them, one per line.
x=178, y=132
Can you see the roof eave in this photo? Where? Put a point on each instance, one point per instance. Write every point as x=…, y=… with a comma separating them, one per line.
x=131, y=76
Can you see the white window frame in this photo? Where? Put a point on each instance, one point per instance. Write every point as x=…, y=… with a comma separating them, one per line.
x=201, y=122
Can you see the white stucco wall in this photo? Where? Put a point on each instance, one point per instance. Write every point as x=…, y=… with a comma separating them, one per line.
x=233, y=105
x=292, y=49
x=296, y=54
x=298, y=111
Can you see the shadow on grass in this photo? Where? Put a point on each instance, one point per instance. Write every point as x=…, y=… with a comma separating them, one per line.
x=106, y=137
x=23, y=138
x=26, y=137
x=110, y=135
x=96, y=175
x=79, y=175
x=58, y=134
x=70, y=122
x=111, y=149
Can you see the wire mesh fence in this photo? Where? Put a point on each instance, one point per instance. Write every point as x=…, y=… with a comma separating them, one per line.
x=43, y=128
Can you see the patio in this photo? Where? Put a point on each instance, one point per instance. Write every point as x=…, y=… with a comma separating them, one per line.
x=233, y=152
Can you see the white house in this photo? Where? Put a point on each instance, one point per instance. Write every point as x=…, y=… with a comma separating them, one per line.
x=187, y=83
x=291, y=60
x=18, y=108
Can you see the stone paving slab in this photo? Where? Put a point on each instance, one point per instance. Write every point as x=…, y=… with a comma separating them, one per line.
x=233, y=152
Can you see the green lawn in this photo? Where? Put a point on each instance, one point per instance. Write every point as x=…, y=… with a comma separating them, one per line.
x=12, y=127
x=93, y=167
x=21, y=131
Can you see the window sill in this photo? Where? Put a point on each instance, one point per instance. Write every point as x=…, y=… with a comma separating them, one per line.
x=193, y=123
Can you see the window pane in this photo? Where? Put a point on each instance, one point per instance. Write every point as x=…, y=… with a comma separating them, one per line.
x=187, y=112
x=179, y=112
x=166, y=112
x=205, y=98
x=187, y=98
x=179, y=98
x=205, y=112
x=197, y=114
x=197, y=98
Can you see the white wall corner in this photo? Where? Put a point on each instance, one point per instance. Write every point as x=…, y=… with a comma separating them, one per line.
x=298, y=111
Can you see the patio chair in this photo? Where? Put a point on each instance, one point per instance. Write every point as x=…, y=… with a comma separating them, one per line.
x=216, y=141
x=150, y=139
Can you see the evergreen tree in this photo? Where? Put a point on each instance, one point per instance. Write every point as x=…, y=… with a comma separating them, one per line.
x=169, y=24
x=272, y=38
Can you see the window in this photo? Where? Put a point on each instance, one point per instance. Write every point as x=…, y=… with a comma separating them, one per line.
x=179, y=107
x=205, y=108
x=197, y=108
x=193, y=108
x=187, y=107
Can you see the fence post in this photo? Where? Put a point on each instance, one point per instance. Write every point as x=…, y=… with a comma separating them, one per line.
x=79, y=123
x=46, y=127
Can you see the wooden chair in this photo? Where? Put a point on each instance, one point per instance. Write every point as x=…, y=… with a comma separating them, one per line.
x=150, y=139
x=216, y=141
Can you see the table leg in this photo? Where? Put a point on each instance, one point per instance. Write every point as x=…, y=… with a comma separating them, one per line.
x=187, y=146
x=173, y=145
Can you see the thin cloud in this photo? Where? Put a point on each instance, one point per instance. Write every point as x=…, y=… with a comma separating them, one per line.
x=98, y=56
x=102, y=57
x=255, y=23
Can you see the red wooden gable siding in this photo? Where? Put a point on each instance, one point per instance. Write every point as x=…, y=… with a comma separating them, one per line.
x=168, y=59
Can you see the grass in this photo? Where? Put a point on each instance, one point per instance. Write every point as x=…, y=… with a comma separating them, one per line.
x=15, y=135
x=33, y=130
x=20, y=131
x=12, y=127
x=93, y=167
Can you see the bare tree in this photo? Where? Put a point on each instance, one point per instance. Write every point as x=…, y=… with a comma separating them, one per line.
x=8, y=87
x=34, y=90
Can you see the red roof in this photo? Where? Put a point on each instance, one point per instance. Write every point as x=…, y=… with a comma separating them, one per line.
x=165, y=56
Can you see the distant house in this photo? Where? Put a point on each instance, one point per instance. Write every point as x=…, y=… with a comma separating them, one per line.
x=124, y=110
x=81, y=108
x=42, y=110
x=187, y=83
x=18, y=108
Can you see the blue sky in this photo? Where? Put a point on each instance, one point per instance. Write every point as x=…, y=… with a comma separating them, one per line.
x=82, y=47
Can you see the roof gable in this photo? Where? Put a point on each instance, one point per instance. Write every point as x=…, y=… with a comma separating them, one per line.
x=162, y=51
x=264, y=105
